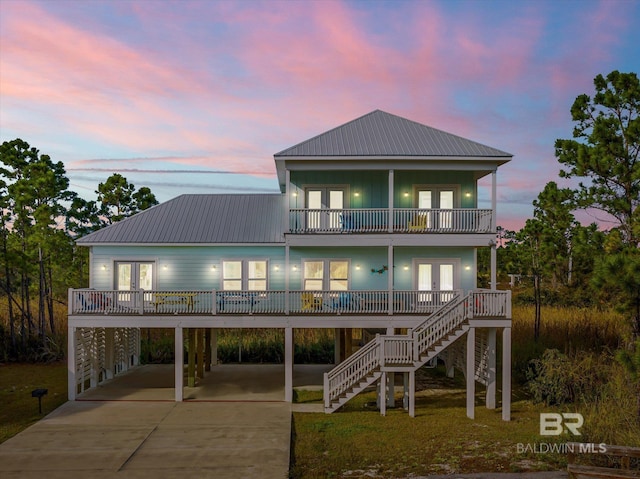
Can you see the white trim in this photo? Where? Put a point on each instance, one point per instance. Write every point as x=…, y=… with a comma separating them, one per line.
x=326, y=279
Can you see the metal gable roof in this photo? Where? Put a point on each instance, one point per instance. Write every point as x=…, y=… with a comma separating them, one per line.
x=200, y=219
x=381, y=134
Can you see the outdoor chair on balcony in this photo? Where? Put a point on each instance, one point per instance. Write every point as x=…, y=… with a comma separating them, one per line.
x=345, y=302
x=418, y=223
x=310, y=302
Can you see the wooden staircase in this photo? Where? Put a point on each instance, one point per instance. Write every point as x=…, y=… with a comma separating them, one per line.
x=408, y=352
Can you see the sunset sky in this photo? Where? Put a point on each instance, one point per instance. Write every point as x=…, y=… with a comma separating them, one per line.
x=197, y=96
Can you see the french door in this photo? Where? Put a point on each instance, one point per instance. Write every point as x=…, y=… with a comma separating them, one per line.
x=131, y=276
x=325, y=205
x=440, y=199
x=434, y=280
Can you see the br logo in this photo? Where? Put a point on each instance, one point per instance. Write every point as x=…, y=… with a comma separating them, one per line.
x=554, y=424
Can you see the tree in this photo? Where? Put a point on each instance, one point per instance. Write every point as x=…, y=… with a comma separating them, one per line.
x=119, y=198
x=36, y=189
x=605, y=151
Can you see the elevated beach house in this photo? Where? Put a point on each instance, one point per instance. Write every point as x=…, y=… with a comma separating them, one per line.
x=376, y=228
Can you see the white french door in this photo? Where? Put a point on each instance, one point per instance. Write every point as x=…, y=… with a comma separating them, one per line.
x=435, y=278
x=131, y=276
x=440, y=199
x=329, y=198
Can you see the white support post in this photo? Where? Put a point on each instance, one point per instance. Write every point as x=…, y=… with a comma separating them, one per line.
x=491, y=369
x=494, y=199
x=391, y=195
x=506, y=374
x=390, y=385
x=287, y=273
x=288, y=364
x=471, y=372
x=390, y=278
x=287, y=192
x=494, y=267
x=412, y=393
x=405, y=391
x=71, y=363
x=179, y=365
x=382, y=400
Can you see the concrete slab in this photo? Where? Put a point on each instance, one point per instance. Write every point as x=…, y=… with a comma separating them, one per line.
x=235, y=424
x=131, y=439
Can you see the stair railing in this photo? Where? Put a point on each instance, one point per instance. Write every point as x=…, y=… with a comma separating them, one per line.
x=353, y=370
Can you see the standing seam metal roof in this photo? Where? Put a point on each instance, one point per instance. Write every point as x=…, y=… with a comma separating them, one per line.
x=382, y=134
x=205, y=219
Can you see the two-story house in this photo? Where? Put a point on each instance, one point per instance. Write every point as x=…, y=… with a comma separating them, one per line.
x=377, y=227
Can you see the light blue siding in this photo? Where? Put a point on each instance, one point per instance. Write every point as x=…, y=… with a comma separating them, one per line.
x=184, y=267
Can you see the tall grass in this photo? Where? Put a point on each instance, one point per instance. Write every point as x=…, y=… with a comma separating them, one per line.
x=579, y=372
x=29, y=347
x=567, y=330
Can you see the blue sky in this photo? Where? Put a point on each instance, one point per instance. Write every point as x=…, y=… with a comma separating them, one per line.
x=197, y=96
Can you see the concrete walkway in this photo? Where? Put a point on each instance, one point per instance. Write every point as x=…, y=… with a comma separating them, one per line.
x=234, y=424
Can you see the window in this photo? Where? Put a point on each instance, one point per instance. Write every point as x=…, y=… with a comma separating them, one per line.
x=332, y=275
x=240, y=275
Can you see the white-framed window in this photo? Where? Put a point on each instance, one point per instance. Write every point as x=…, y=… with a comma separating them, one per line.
x=325, y=274
x=244, y=275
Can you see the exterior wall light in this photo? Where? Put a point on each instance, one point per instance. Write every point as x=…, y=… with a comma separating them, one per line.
x=165, y=267
x=214, y=267
x=276, y=268
x=406, y=267
x=294, y=267
x=104, y=267
x=406, y=194
x=467, y=268
x=356, y=194
x=358, y=267
x=467, y=195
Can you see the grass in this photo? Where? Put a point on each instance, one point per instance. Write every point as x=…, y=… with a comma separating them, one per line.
x=357, y=441
x=19, y=410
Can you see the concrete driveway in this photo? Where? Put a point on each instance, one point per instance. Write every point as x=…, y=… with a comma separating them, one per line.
x=158, y=439
x=234, y=424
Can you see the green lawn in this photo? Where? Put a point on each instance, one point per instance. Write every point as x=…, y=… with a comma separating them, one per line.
x=357, y=440
x=18, y=409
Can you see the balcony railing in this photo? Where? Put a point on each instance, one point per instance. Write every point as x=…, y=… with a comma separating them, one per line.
x=300, y=303
x=376, y=220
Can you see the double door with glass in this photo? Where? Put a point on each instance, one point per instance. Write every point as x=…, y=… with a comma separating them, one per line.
x=324, y=205
x=436, y=282
x=439, y=202
x=132, y=276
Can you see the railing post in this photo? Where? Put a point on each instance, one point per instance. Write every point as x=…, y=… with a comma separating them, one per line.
x=508, y=308
x=140, y=298
x=214, y=302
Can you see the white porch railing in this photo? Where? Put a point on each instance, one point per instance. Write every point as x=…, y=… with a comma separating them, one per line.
x=192, y=302
x=376, y=220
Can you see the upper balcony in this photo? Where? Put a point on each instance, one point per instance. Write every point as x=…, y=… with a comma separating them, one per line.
x=384, y=220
